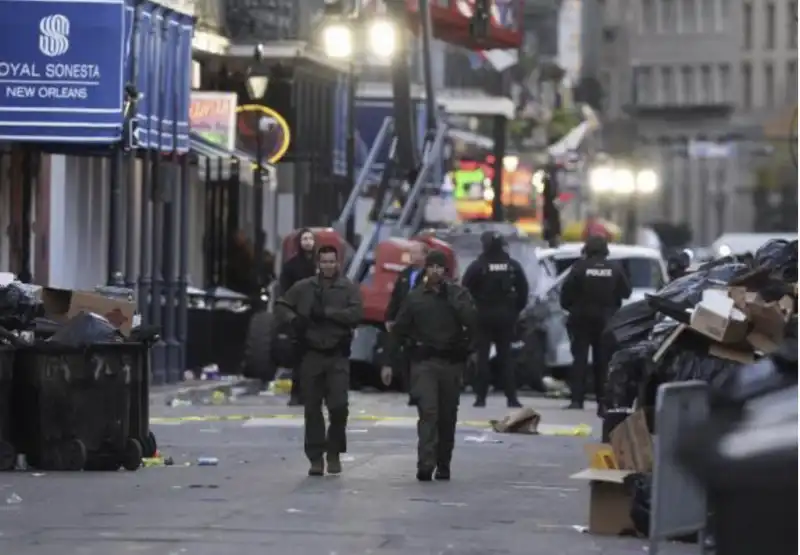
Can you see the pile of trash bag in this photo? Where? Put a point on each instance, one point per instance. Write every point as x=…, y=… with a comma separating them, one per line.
x=639, y=329
x=19, y=306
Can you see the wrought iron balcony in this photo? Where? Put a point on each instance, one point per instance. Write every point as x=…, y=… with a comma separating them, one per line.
x=263, y=20
x=210, y=16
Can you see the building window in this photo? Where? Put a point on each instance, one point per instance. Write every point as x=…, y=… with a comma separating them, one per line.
x=688, y=86
x=688, y=16
x=706, y=85
x=769, y=27
x=747, y=26
x=649, y=16
x=708, y=15
x=643, y=83
x=791, y=81
x=724, y=83
x=668, y=16
x=724, y=15
x=667, y=86
x=747, y=85
x=769, y=85
x=792, y=25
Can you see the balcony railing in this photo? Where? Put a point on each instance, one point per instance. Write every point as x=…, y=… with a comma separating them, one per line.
x=210, y=16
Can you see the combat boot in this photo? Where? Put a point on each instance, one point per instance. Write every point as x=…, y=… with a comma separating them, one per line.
x=442, y=473
x=334, y=463
x=317, y=468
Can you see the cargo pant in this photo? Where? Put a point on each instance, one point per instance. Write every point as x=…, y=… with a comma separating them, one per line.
x=436, y=386
x=325, y=378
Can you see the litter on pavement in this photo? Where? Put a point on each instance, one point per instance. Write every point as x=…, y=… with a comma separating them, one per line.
x=483, y=438
x=521, y=421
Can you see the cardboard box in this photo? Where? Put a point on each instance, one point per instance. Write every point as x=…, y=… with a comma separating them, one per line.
x=632, y=443
x=609, y=503
x=63, y=304
x=717, y=317
x=767, y=319
x=630, y=451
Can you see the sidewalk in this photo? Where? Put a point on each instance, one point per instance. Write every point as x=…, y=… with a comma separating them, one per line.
x=194, y=391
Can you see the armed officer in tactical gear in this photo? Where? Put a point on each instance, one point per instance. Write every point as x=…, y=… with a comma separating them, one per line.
x=592, y=292
x=327, y=308
x=436, y=324
x=500, y=289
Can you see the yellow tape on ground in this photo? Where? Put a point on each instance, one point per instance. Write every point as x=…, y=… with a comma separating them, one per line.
x=581, y=430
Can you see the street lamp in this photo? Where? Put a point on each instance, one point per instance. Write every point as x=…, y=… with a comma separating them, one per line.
x=627, y=184
x=350, y=37
x=257, y=87
x=337, y=41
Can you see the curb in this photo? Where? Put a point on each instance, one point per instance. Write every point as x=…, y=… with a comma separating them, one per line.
x=199, y=391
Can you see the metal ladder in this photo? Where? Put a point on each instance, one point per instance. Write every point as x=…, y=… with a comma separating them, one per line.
x=412, y=199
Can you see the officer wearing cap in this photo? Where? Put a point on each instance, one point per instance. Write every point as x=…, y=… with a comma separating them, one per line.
x=592, y=292
x=500, y=289
x=436, y=325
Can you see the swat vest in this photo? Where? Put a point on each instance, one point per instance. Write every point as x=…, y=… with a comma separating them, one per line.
x=498, y=283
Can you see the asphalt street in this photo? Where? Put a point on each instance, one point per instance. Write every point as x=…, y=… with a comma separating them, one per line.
x=510, y=494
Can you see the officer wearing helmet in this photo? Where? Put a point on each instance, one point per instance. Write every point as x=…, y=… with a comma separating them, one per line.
x=592, y=292
x=500, y=289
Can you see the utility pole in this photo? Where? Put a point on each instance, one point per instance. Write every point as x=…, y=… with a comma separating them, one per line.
x=550, y=213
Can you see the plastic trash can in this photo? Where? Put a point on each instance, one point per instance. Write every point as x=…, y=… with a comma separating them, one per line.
x=8, y=454
x=74, y=406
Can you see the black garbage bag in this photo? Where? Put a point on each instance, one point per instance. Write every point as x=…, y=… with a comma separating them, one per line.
x=688, y=290
x=631, y=324
x=19, y=305
x=780, y=256
x=688, y=359
x=639, y=488
x=627, y=371
x=86, y=328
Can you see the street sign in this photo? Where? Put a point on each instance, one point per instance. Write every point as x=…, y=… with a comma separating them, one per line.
x=275, y=136
x=61, y=70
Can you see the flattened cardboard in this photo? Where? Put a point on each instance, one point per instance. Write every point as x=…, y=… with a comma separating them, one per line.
x=668, y=341
x=63, y=304
x=632, y=443
x=732, y=353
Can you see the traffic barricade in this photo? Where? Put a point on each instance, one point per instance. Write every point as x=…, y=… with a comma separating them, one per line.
x=678, y=506
x=72, y=405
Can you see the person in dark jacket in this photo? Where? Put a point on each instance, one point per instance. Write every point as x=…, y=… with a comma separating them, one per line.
x=406, y=281
x=437, y=324
x=300, y=266
x=592, y=292
x=498, y=284
x=326, y=309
